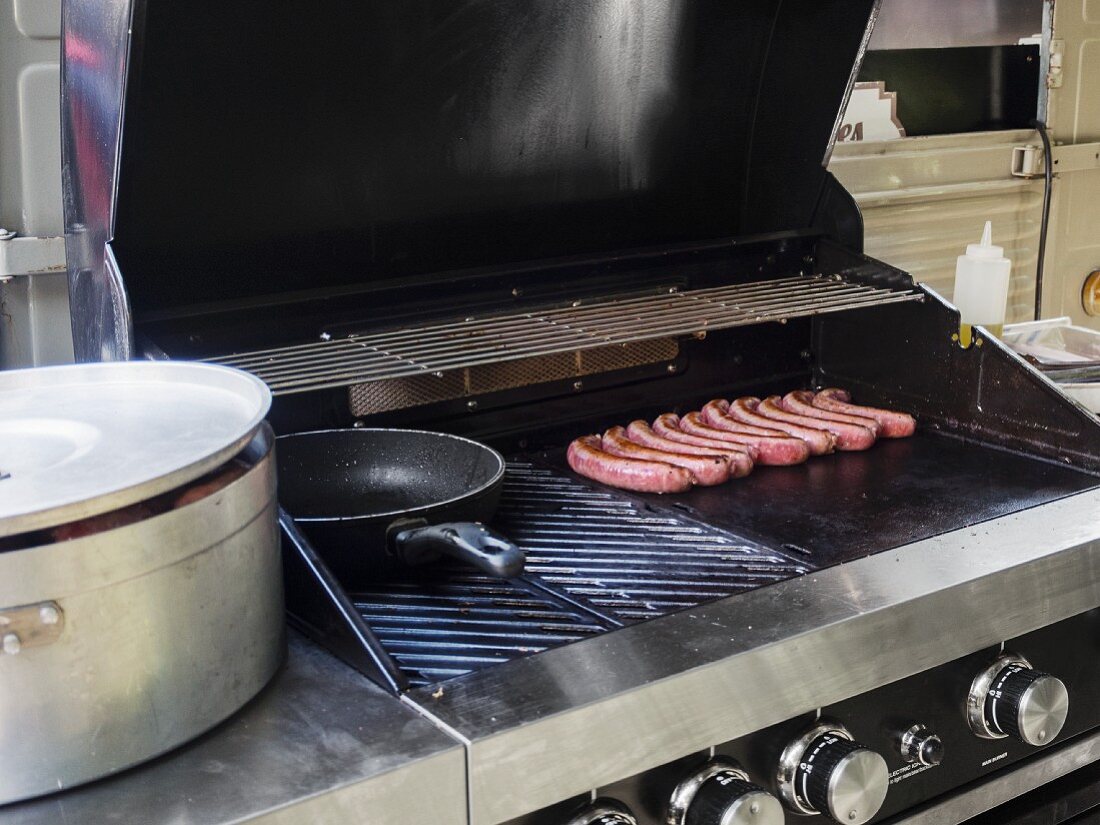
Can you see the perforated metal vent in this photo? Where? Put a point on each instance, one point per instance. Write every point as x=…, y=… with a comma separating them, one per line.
x=382, y=396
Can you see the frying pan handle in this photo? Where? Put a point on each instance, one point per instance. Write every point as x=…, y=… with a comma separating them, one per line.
x=468, y=541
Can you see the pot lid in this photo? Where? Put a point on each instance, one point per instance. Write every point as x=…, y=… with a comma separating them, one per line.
x=77, y=441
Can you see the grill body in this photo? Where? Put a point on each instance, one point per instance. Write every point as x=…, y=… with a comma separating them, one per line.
x=526, y=221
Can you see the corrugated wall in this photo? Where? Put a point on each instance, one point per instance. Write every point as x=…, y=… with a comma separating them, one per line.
x=925, y=199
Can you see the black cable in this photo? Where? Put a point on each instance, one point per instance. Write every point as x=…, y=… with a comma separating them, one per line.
x=1048, y=163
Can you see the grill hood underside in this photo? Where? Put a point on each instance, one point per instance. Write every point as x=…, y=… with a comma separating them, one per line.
x=270, y=149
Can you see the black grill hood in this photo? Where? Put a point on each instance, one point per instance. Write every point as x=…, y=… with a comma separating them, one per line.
x=270, y=148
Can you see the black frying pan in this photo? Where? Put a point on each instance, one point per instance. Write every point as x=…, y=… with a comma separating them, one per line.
x=373, y=500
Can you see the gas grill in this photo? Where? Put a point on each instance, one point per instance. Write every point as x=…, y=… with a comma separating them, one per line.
x=526, y=221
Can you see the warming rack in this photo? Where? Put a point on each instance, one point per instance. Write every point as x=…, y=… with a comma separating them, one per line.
x=476, y=341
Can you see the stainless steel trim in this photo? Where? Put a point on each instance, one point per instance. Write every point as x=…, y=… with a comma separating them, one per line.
x=782, y=651
x=792, y=756
x=979, y=691
x=872, y=23
x=472, y=342
x=684, y=793
x=1009, y=785
x=93, y=86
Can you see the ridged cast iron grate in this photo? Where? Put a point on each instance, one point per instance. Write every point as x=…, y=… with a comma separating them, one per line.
x=613, y=562
x=623, y=558
x=456, y=623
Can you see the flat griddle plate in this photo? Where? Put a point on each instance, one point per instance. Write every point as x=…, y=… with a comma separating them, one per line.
x=846, y=506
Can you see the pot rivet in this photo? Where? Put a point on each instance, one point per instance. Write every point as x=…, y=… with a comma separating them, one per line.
x=48, y=614
x=11, y=644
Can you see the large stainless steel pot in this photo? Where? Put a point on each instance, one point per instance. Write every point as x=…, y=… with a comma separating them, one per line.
x=121, y=645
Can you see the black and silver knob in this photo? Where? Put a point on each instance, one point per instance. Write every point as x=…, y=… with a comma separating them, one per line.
x=1009, y=698
x=825, y=772
x=604, y=812
x=920, y=746
x=720, y=793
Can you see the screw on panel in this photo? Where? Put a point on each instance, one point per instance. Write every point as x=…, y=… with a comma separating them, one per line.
x=471, y=404
x=671, y=368
x=48, y=614
x=578, y=385
x=11, y=644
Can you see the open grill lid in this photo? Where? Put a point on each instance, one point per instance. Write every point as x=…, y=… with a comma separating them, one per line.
x=268, y=149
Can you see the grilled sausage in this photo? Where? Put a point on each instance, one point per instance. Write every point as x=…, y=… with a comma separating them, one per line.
x=848, y=436
x=778, y=450
x=208, y=486
x=717, y=414
x=103, y=522
x=708, y=471
x=801, y=402
x=668, y=427
x=738, y=461
x=894, y=424
x=745, y=411
x=587, y=459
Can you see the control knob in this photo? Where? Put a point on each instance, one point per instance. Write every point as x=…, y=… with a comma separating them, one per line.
x=825, y=772
x=1009, y=698
x=920, y=746
x=604, y=812
x=720, y=793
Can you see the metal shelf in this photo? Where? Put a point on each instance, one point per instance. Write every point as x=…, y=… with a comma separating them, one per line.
x=476, y=341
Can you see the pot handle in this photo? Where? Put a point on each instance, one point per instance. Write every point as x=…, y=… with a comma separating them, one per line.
x=468, y=541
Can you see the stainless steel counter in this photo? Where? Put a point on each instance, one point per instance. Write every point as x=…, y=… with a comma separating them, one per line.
x=549, y=726
x=323, y=745
x=320, y=744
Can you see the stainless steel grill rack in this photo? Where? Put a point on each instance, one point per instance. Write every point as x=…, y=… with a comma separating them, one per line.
x=474, y=341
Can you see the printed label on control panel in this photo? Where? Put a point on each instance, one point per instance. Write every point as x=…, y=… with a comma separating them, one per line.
x=907, y=772
x=996, y=758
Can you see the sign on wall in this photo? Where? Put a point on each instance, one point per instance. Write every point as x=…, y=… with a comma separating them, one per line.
x=872, y=114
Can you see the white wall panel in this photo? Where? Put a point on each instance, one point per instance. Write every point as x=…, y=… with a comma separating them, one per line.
x=925, y=199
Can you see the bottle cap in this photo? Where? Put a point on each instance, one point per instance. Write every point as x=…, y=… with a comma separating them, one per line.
x=985, y=249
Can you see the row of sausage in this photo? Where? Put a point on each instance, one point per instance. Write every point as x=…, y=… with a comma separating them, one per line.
x=727, y=439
